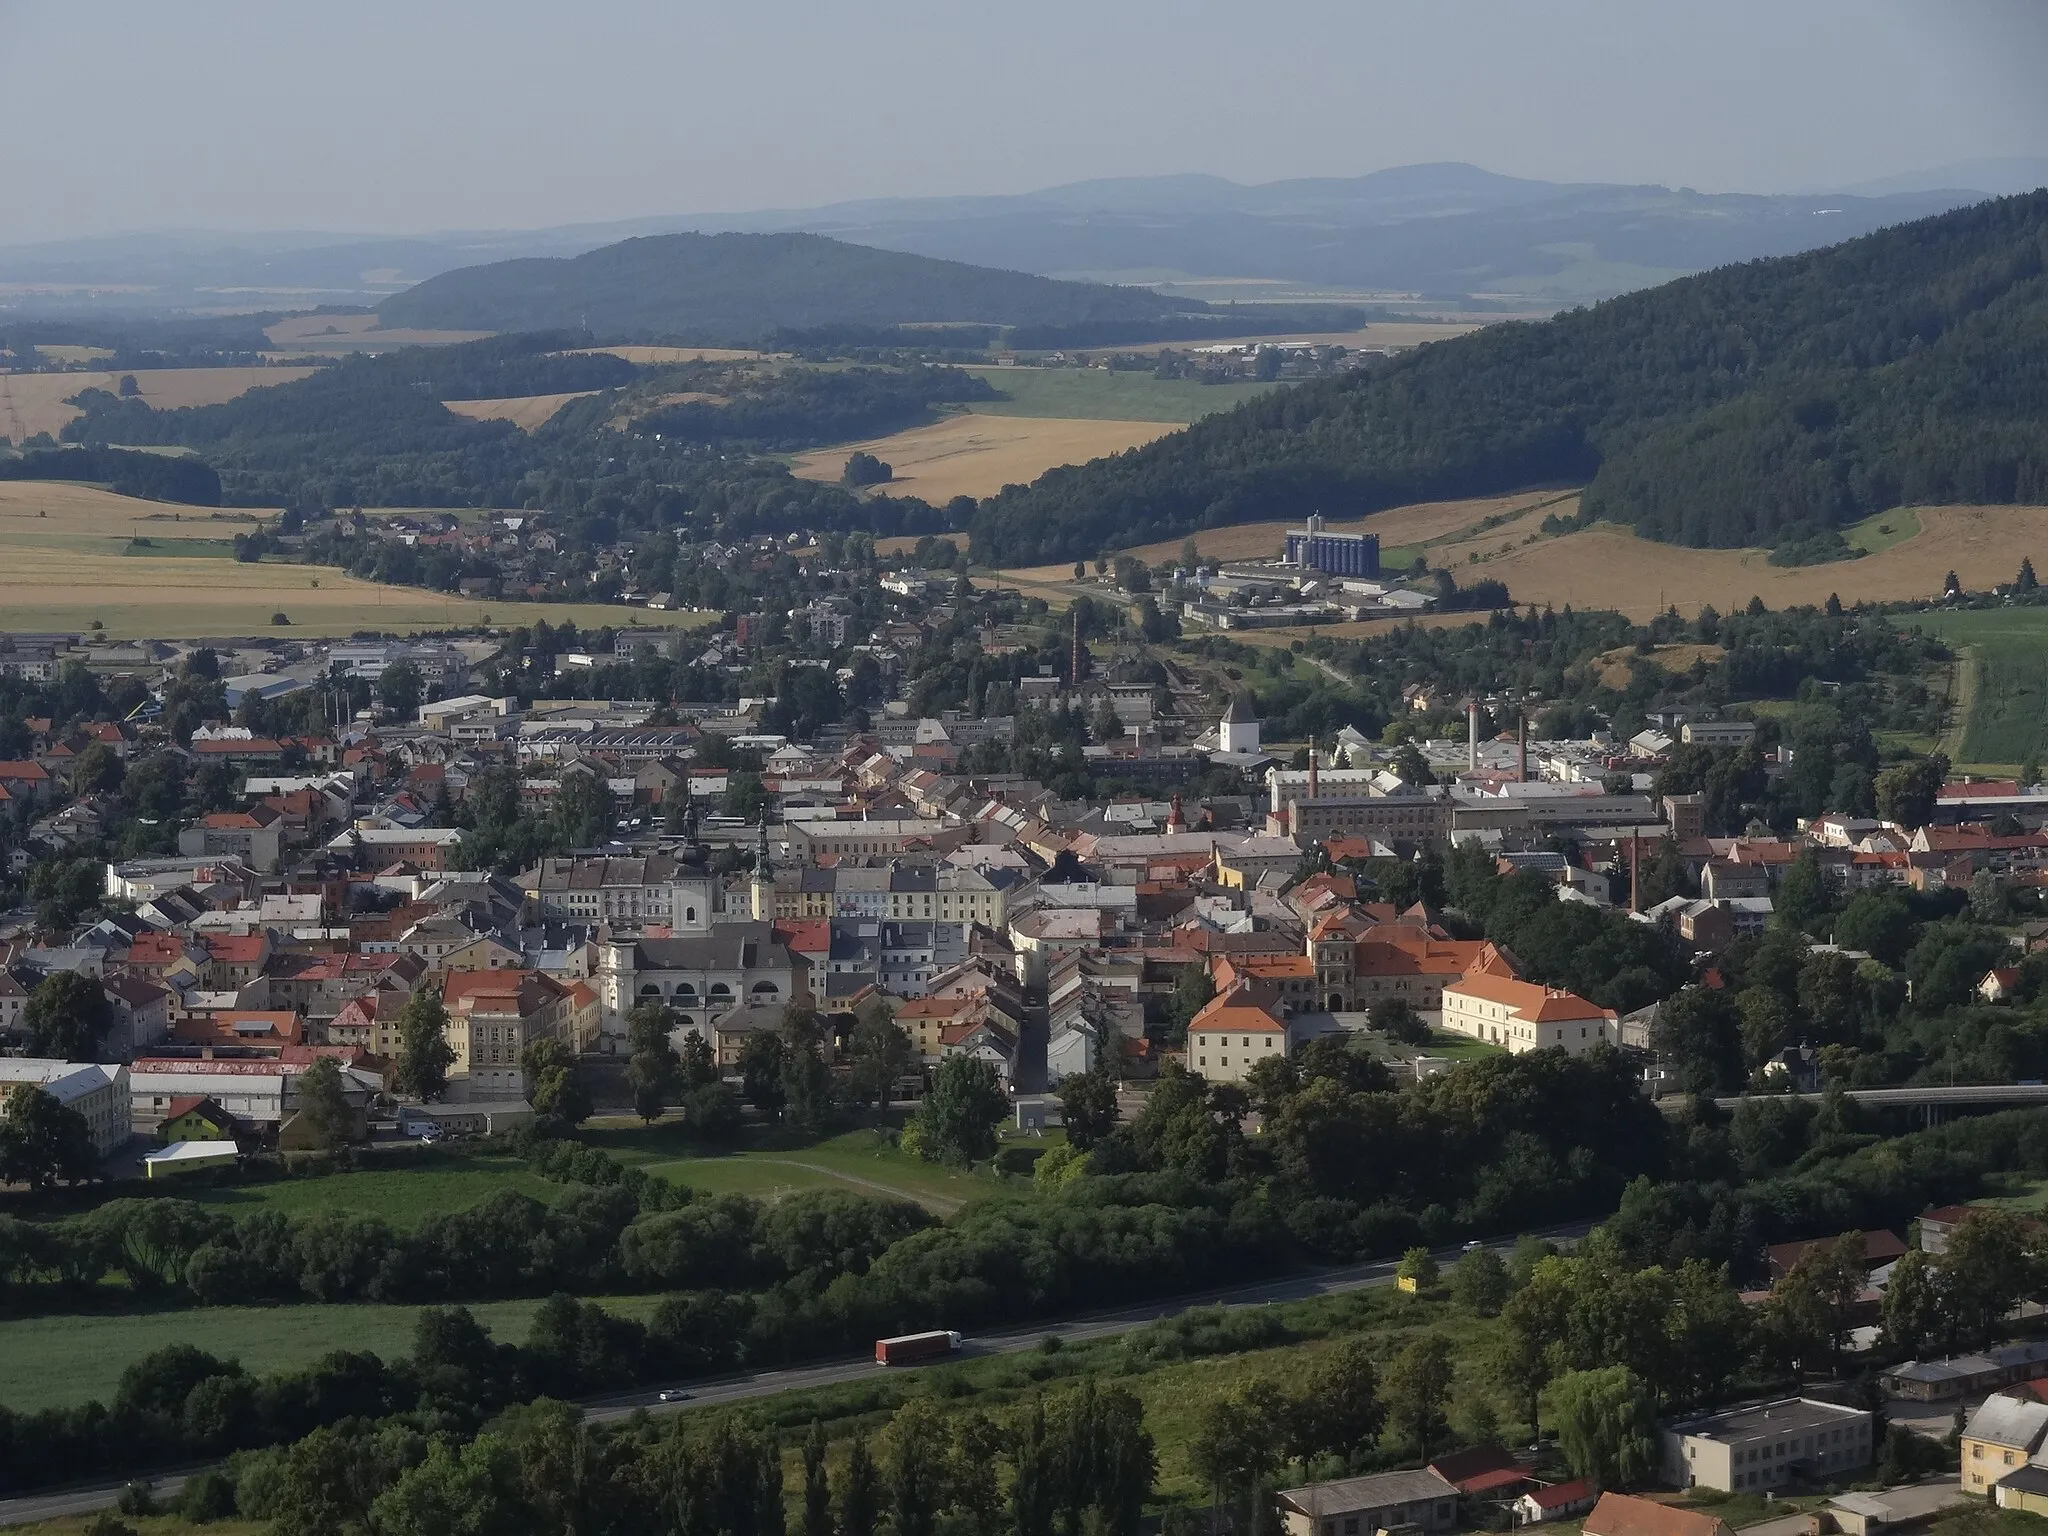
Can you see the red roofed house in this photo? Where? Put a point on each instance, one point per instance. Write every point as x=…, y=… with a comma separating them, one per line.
x=2000, y=984
x=255, y=836
x=1483, y=1471
x=233, y=960
x=1237, y=1030
x=1522, y=1016
x=370, y=1021
x=1554, y=1502
x=1623, y=1514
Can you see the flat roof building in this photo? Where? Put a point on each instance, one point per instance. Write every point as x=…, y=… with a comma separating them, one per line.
x=1359, y=1506
x=1766, y=1445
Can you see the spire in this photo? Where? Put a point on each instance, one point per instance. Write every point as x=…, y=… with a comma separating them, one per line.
x=764, y=867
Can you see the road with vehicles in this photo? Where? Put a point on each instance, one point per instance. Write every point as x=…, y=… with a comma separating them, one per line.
x=1301, y=1285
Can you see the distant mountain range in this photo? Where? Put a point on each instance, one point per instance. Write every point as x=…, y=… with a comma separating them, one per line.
x=1444, y=235
x=747, y=288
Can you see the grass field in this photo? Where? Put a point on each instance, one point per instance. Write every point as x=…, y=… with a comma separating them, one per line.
x=68, y=556
x=2002, y=702
x=337, y=335
x=61, y=1361
x=524, y=411
x=1098, y=394
x=978, y=455
x=402, y=1196
x=861, y=1161
x=34, y=402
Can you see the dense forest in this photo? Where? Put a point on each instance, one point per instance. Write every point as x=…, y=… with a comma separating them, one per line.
x=1745, y=406
x=151, y=476
x=804, y=407
x=738, y=289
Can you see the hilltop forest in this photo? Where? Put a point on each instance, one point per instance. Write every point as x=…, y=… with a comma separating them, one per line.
x=1760, y=404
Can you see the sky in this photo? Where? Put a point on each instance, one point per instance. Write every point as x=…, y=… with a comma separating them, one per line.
x=403, y=116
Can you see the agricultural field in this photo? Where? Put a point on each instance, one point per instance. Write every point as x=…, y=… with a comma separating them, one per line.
x=62, y=1360
x=656, y=357
x=1393, y=335
x=34, y=402
x=324, y=336
x=72, y=554
x=1910, y=552
x=2002, y=689
x=1096, y=394
x=977, y=455
x=526, y=412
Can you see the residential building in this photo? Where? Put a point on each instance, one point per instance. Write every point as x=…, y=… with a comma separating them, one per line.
x=141, y=1014
x=1522, y=1016
x=99, y=1093
x=254, y=836
x=380, y=847
x=1623, y=1514
x=1553, y=1501
x=195, y=1118
x=492, y=1017
x=1360, y=1506
x=1765, y=1445
x=1233, y=1033
x=2003, y=1434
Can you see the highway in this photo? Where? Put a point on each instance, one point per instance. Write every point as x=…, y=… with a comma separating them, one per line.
x=1298, y=1286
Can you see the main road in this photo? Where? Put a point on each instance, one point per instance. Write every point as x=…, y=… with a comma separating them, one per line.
x=1300, y=1285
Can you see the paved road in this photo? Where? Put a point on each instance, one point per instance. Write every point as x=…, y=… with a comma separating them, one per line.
x=735, y=1389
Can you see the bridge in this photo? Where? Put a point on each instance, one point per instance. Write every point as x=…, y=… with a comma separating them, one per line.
x=1931, y=1101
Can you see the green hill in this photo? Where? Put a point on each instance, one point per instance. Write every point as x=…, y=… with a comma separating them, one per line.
x=743, y=288
x=1765, y=403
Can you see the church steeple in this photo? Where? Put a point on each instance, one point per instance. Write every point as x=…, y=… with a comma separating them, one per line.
x=762, y=891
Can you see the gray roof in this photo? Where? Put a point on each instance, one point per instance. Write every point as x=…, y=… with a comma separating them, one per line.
x=2014, y=1421
x=1784, y=1415
x=1379, y=1491
x=728, y=947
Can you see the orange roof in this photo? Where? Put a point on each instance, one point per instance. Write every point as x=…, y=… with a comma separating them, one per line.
x=1269, y=967
x=1542, y=1005
x=1239, y=1012
x=236, y=948
x=934, y=1007
x=33, y=772
x=503, y=989
x=1622, y=1514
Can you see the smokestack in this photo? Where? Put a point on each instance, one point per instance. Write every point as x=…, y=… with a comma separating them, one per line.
x=1074, y=661
x=1522, y=748
x=1312, y=769
x=1635, y=865
x=1471, y=735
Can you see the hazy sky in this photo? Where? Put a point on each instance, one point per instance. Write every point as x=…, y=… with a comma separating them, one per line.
x=378, y=115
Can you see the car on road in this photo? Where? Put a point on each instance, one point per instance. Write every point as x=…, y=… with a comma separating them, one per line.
x=673, y=1395
x=1472, y=1247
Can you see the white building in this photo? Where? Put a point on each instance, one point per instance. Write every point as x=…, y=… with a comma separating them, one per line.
x=1238, y=730
x=99, y=1093
x=1767, y=1445
x=1522, y=1016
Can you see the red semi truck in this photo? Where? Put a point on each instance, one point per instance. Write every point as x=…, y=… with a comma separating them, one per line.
x=909, y=1348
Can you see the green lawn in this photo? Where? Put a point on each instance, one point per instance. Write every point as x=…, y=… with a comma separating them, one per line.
x=1883, y=530
x=62, y=1360
x=1095, y=394
x=2008, y=708
x=402, y=1196
x=1442, y=1042
x=861, y=1161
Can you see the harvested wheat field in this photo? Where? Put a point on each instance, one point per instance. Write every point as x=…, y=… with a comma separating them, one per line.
x=655, y=357
x=979, y=455
x=334, y=335
x=1394, y=335
x=526, y=412
x=34, y=402
x=72, y=554
x=1608, y=567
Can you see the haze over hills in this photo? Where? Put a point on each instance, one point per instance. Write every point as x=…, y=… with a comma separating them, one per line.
x=1766, y=403
x=744, y=287
x=1451, y=232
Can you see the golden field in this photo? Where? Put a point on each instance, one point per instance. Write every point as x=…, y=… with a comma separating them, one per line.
x=336, y=335
x=1395, y=335
x=34, y=402
x=976, y=455
x=648, y=357
x=524, y=411
x=64, y=562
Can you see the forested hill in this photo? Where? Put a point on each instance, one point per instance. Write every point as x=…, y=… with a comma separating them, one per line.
x=742, y=288
x=1749, y=405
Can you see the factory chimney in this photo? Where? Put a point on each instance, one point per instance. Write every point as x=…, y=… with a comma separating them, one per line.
x=1471, y=735
x=1312, y=768
x=1635, y=873
x=1074, y=660
x=1522, y=748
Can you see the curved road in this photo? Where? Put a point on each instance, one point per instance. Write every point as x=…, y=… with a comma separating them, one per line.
x=1299, y=1286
